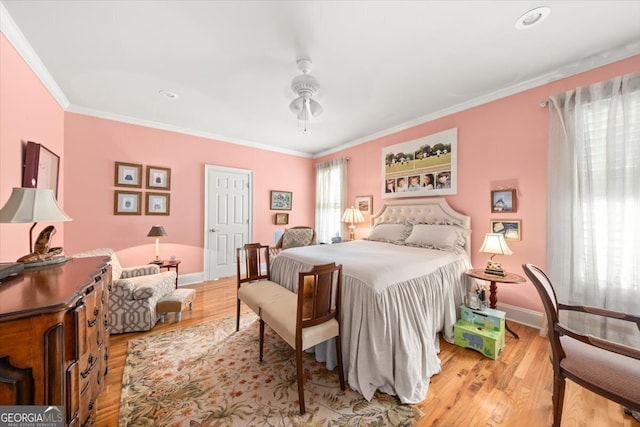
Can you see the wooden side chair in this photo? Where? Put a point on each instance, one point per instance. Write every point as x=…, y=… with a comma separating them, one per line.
x=254, y=282
x=604, y=367
x=309, y=317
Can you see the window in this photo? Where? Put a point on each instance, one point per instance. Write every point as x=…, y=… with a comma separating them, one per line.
x=331, y=177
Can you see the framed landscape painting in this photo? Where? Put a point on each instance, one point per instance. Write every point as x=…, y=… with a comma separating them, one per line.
x=426, y=166
x=281, y=200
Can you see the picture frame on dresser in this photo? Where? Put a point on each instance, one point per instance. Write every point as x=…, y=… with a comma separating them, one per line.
x=158, y=178
x=41, y=168
x=128, y=175
x=127, y=202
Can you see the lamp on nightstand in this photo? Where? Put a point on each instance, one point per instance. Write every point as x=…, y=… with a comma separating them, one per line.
x=495, y=244
x=157, y=231
x=352, y=216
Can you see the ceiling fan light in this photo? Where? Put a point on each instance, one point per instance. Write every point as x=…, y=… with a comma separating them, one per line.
x=297, y=105
x=315, y=108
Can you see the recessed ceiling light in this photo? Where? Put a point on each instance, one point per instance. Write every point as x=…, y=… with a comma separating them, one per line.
x=533, y=17
x=169, y=95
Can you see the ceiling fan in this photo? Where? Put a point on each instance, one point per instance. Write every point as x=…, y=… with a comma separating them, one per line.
x=305, y=86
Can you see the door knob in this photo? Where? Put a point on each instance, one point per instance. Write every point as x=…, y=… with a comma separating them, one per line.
x=213, y=230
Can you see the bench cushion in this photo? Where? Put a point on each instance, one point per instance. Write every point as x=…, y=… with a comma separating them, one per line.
x=257, y=294
x=280, y=314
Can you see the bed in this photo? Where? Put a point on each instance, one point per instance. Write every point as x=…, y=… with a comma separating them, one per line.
x=402, y=288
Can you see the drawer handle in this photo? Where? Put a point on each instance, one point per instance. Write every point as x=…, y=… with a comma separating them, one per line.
x=93, y=322
x=92, y=364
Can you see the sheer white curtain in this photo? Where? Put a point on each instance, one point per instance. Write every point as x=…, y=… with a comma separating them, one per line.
x=331, y=178
x=593, y=213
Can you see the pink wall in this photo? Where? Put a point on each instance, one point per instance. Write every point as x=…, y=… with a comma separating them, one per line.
x=93, y=145
x=501, y=144
x=28, y=112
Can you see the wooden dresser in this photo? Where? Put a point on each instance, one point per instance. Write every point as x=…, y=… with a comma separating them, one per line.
x=54, y=333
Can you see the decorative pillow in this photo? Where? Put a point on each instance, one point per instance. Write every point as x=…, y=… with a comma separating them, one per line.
x=445, y=237
x=389, y=233
x=295, y=237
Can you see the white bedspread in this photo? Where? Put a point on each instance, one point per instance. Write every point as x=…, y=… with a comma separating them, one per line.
x=395, y=301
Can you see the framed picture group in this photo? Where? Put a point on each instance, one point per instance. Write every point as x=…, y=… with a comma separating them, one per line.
x=506, y=201
x=129, y=202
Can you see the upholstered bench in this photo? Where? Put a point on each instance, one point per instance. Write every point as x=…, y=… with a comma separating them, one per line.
x=176, y=302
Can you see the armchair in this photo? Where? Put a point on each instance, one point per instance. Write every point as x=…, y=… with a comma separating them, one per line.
x=134, y=293
x=609, y=369
x=294, y=237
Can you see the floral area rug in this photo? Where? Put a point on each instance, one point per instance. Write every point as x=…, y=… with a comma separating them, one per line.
x=210, y=375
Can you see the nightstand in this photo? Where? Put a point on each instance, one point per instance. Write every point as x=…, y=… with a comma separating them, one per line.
x=478, y=273
x=168, y=264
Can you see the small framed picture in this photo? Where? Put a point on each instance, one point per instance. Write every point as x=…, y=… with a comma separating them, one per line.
x=281, y=200
x=127, y=203
x=157, y=204
x=504, y=201
x=128, y=175
x=364, y=204
x=282, y=218
x=41, y=167
x=510, y=229
x=158, y=178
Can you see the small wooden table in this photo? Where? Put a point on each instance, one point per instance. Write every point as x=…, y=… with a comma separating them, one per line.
x=168, y=264
x=478, y=273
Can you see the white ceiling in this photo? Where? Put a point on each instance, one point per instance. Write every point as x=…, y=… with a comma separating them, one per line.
x=382, y=65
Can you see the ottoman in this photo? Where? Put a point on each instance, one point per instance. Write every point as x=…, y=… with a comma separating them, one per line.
x=175, y=302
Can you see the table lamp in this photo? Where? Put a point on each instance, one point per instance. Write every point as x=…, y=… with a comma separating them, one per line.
x=352, y=216
x=32, y=205
x=157, y=231
x=495, y=244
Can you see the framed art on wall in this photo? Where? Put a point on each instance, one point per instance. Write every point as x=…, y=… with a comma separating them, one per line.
x=364, y=204
x=158, y=178
x=281, y=200
x=511, y=229
x=426, y=166
x=41, y=168
x=128, y=175
x=157, y=204
x=126, y=203
x=504, y=201
x=282, y=218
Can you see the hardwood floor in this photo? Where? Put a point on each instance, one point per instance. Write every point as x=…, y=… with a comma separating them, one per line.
x=471, y=390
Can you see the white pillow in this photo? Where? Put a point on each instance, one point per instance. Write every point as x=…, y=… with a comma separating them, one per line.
x=388, y=233
x=446, y=237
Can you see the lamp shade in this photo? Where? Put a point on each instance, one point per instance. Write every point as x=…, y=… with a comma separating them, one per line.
x=32, y=205
x=157, y=231
x=495, y=244
x=352, y=216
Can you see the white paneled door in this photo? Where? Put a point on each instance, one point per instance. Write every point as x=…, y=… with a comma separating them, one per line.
x=228, y=218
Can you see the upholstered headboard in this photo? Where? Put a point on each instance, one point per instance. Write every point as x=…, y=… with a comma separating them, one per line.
x=433, y=210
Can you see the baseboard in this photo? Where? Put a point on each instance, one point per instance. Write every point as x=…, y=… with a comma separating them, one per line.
x=523, y=316
x=190, y=279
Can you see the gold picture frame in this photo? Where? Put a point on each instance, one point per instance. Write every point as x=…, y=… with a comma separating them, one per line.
x=157, y=203
x=128, y=175
x=282, y=218
x=127, y=203
x=158, y=178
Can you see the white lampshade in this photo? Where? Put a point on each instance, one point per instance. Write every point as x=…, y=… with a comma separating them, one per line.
x=352, y=216
x=495, y=244
x=32, y=205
